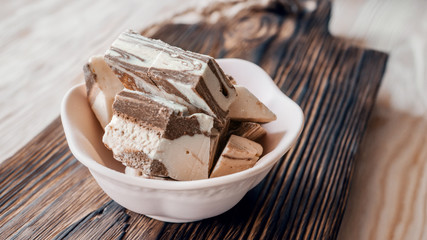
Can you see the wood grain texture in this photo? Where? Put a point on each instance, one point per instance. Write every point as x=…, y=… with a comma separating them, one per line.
x=44, y=188
x=388, y=197
x=305, y=194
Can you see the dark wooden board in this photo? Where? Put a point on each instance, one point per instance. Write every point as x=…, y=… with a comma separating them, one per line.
x=46, y=193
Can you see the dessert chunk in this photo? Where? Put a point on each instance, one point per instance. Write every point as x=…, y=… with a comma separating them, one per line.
x=102, y=85
x=248, y=108
x=239, y=154
x=191, y=79
x=250, y=130
x=160, y=137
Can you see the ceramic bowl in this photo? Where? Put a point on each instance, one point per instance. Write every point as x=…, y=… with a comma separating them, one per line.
x=182, y=201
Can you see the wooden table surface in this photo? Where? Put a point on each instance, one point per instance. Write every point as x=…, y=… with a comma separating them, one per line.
x=388, y=194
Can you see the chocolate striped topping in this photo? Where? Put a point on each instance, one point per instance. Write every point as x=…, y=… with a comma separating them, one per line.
x=150, y=113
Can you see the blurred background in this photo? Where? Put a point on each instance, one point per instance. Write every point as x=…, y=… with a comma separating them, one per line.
x=44, y=44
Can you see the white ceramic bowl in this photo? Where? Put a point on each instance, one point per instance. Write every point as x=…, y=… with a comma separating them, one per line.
x=182, y=201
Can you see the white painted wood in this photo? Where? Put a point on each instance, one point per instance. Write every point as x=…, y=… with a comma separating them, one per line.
x=43, y=46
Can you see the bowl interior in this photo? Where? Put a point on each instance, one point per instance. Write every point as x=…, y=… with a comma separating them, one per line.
x=84, y=135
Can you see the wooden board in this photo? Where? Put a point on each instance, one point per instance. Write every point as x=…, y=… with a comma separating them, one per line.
x=46, y=193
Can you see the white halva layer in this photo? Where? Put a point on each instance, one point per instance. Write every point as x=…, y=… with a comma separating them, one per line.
x=108, y=86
